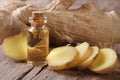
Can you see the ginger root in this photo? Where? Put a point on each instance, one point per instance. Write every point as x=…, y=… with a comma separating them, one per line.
x=10, y=22
x=11, y=5
x=15, y=47
x=9, y=26
x=86, y=23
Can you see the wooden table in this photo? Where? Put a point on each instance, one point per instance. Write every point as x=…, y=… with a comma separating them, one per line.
x=10, y=70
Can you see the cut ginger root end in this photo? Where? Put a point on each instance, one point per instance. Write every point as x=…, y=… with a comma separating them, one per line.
x=90, y=59
x=62, y=58
x=84, y=51
x=105, y=62
x=15, y=46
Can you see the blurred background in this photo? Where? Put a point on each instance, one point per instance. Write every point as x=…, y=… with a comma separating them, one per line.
x=105, y=5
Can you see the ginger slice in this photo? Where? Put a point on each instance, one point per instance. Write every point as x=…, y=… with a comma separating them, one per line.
x=62, y=58
x=105, y=62
x=91, y=58
x=84, y=51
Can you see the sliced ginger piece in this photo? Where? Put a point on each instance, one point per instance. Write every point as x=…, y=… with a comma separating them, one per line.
x=105, y=62
x=91, y=58
x=84, y=51
x=62, y=58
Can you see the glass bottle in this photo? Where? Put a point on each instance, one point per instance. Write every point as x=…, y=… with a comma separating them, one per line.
x=38, y=39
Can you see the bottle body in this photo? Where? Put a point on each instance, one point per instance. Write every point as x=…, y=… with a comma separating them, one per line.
x=38, y=44
x=38, y=39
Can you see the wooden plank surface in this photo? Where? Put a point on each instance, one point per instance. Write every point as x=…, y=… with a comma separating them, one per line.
x=10, y=70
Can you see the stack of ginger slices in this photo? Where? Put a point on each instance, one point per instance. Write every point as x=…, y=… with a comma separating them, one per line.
x=82, y=56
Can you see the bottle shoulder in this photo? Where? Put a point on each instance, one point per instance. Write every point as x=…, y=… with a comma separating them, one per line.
x=37, y=30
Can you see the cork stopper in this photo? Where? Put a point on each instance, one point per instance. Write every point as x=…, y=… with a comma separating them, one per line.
x=37, y=15
x=37, y=19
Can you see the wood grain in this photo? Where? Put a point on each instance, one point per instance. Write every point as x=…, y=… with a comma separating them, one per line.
x=10, y=70
x=35, y=71
x=47, y=74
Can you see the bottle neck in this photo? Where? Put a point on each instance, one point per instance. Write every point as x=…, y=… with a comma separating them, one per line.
x=38, y=23
x=40, y=28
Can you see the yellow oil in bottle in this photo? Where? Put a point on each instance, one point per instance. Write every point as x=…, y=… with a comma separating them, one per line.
x=38, y=40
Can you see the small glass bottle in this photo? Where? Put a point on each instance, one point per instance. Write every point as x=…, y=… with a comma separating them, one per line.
x=38, y=39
